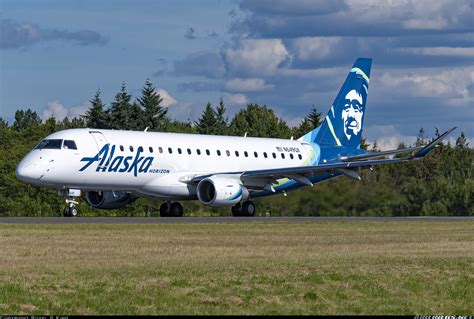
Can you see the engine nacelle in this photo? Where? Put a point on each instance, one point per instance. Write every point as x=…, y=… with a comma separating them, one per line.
x=221, y=191
x=108, y=200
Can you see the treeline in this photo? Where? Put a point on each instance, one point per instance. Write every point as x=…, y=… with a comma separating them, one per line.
x=441, y=184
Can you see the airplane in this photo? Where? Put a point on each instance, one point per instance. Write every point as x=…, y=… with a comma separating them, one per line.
x=112, y=168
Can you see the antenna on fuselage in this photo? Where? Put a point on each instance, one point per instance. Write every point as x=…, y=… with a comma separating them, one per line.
x=146, y=129
x=245, y=135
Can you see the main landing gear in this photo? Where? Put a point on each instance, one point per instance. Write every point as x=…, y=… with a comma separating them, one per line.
x=71, y=210
x=245, y=209
x=170, y=209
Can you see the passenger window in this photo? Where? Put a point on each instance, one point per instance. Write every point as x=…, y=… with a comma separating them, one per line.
x=179, y=150
x=131, y=148
x=227, y=152
x=198, y=151
x=237, y=153
x=246, y=154
x=299, y=156
x=150, y=149
x=170, y=150
x=255, y=154
x=218, y=153
x=274, y=155
x=140, y=149
x=50, y=144
x=121, y=148
x=160, y=149
x=68, y=144
x=283, y=155
x=208, y=152
x=189, y=151
x=291, y=155
x=265, y=154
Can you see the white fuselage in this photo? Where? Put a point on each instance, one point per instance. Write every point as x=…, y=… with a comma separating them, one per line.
x=153, y=164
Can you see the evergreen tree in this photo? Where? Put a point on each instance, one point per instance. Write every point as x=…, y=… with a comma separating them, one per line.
x=221, y=125
x=207, y=123
x=304, y=127
x=461, y=142
x=137, y=118
x=375, y=146
x=420, y=139
x=314, y=117
x=25, y=119
x=363, y=144
x=154, y=115
x=309, y=123
x=78, y=122
x=96, y=116
x=120, y=110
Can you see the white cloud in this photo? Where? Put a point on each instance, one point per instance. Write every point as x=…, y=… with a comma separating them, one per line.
x=309, y=48
x=59, y=111
x=450, y=83
x=235, y=99
x=56, y=109
x=388, y=137
x=440, y=51
x=247, y=85
x=257, y=57
x=167, y=98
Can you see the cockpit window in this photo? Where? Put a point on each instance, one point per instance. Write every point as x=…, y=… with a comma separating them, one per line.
x=49, y=144
x=68, y=144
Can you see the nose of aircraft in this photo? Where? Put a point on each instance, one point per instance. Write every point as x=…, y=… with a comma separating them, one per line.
x=26, y=171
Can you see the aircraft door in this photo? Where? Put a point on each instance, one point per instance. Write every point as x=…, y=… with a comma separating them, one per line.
x=99, y=139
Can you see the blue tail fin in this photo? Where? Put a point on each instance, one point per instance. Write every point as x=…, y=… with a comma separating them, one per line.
x=344, y=122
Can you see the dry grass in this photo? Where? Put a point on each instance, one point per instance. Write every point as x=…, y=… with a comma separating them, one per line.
x=259, y=268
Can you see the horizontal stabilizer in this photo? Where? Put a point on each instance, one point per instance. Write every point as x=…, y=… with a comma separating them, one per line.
x=411, y=150
x=428, y=148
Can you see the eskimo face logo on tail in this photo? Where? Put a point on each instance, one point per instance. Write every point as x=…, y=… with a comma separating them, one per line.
x=352, y=113
x=106, y=162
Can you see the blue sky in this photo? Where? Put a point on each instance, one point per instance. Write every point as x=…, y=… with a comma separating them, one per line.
x=287, y=54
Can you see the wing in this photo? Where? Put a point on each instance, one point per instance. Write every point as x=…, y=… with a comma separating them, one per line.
x=348, y=167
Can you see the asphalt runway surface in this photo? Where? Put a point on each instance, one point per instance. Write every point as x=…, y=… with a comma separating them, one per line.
x=211, y=220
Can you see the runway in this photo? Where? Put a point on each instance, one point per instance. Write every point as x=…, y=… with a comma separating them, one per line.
x=213, y=220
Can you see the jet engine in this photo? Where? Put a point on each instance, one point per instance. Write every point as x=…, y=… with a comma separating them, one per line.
x=221, y=191
x=108, y=200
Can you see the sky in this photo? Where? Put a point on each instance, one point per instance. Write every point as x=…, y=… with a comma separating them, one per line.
x=286, y=54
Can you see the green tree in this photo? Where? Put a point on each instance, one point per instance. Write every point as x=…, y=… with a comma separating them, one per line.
x=222, y=127
x=26, y=119
x=207, y=123
x=137, y=118
x=314, y=117
x=259, y=121
x=154, y=115
x=96, y=116
x=120, y=110
x=461, y=142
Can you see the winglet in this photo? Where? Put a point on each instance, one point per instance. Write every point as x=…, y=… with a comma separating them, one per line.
x=428, y=148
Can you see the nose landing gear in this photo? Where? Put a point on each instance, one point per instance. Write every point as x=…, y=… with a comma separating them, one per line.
x=71, y=210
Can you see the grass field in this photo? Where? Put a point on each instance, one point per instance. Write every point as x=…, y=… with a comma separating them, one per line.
x=258, y=268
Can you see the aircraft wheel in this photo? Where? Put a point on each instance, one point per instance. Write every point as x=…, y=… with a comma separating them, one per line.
x=66, y=212
x=176, y=210
x=248, y=208
x=236, y=210
x=164, y=211
x=73, y=212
